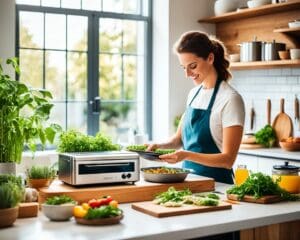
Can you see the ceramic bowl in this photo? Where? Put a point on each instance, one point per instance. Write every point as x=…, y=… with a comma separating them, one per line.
x=294, y=24
x=284, y=55
x=290, y=146
x=295, y=53
x=225, y=6
x=234, y=57
x=61, y=212
x=257, y=3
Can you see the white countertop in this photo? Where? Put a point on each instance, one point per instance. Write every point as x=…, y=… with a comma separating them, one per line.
x=278, y=153
x=137, y=225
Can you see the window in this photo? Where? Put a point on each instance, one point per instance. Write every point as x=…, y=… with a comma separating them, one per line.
x=94, y=57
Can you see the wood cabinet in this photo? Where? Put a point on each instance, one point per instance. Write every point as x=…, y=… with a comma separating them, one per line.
x=266, y=23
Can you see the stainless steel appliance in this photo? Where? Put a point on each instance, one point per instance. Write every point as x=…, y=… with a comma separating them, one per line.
x=250, y=51
x=98, y=167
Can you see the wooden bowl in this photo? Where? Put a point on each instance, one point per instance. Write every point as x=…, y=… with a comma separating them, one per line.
x=284, y=55
x=290, y=146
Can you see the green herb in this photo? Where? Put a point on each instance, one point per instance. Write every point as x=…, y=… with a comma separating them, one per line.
x=208, y=195
x=5, y=178
x=266, y=136
x=41, y=172
x=23, y=113
x=74, y=141
x=207, y=202
x=164, y=151
x=259, y=185
x=103, y=212
x=136, y=148
x=172, y=195
x=58, y=200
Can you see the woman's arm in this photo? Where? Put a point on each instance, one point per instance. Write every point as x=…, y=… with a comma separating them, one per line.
x=232, y=137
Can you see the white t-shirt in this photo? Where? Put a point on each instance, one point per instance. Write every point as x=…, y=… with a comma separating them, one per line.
x=228, y=109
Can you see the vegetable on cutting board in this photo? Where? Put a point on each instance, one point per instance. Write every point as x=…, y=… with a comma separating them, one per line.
x=266, y=136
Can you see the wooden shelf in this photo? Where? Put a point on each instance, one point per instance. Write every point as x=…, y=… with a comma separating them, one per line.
x=253, y=12
x=264, y=64
x=293, y=31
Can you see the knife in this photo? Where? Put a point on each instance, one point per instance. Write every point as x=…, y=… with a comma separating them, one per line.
x=269, y=111
x=252, y=116
x=297, y=115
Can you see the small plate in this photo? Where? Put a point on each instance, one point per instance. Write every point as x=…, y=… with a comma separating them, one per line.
x=165, y=177
x=99, y=221
x=147, y=155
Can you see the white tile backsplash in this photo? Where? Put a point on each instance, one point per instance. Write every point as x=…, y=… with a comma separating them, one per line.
x=258, y=85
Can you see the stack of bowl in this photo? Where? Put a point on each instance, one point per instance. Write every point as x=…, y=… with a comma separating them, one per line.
x=225, y=6
x=258, y=3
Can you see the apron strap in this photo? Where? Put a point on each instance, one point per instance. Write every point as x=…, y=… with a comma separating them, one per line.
x=212, y=100
x=195, y=95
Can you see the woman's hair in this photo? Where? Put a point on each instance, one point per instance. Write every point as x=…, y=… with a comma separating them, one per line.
x=200, y=44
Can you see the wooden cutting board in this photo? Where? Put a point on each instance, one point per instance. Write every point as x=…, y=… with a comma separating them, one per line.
x=263, y=200
x=251, y=146
x=282, y=124
x=161, y=211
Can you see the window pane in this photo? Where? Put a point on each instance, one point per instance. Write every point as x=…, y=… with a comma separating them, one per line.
x=110, y=76
x=145, y=8
x=55, y=31
x=129, y=39
x=70, y=4
x=130, y=77
x=117, y=119
x=55, y=66
x=77, y=116
x=58, y=114
x=77, y=33
x=51, y=3
x=29, y=2
x=121, y=6
x=94, y=5
x=110, y=35
x=31, y=64
x=77, y=76
x=31, y=29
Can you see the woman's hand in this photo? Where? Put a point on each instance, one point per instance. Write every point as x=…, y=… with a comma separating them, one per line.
x=175, y=157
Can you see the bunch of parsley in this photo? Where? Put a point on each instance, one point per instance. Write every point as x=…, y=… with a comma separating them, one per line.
x=266, y=136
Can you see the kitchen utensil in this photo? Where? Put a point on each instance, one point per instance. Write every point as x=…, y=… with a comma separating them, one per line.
x=153, y=156
x=288, y=176
x=250, y=51
x=263, y=199
x=58, y=212
x=295, y=53
x=162, y=211
x=248, y=138
x=282, y=124
x=251, y=146
x=252, y=116
x=290, y=146
x=269, y=111
x=297, y=114
x=179, y=176
x=271, y=50
x=283, y=55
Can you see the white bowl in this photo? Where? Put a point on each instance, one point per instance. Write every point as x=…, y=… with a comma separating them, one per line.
x=225, y=6
x=234, y=57
x=295, y=53
x=61, y=212
x=257, y=3
x=294, y=24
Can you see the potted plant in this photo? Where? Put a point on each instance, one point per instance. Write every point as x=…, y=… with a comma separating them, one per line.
x=59, y=208
x=23, y=112
x=11, y=193
x=40, y=176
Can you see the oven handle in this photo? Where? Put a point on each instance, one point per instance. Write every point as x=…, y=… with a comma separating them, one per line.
x=106, y=165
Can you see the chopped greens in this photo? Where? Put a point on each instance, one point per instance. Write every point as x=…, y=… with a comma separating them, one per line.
x=164, y=151
x=136, y=148
x=58, y=200
x=172, y=195
x=103, y=212
x=259, y=185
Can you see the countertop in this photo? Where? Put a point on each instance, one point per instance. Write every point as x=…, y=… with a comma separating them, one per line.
x=137, y=225
x=276, y=153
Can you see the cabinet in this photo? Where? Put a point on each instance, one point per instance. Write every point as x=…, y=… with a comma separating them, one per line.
x=267, y=23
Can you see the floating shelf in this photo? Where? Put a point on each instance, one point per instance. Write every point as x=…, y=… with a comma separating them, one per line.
x=293, y=31
x=253, y=12
x=264, y=64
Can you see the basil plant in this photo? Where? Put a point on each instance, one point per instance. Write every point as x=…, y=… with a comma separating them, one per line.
x=24, y=112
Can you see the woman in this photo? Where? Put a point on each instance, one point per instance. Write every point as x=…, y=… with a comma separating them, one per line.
x=210, y=131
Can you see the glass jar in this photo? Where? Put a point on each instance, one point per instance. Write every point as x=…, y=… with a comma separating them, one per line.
x=241, y=174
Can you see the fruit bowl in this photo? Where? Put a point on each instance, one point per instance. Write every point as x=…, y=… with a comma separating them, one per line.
x=290, y=146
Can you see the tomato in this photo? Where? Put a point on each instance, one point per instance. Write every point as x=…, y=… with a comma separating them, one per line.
x=85, y=206
x=114, y=204
x=79, y=211
x=106, y=200
x=94, y=203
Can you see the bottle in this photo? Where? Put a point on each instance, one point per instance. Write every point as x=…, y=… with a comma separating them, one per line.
x=241, y=174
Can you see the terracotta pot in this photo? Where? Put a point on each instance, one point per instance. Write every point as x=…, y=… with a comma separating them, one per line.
x=39, y=183
x=8, y=216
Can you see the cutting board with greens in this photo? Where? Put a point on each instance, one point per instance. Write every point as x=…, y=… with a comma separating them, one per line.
x=260, y=188
x=173, y=203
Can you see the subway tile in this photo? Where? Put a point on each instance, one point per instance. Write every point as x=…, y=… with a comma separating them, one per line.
x=296, y=71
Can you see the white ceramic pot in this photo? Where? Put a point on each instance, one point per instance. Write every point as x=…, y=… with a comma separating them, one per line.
x=295, y=53
x=61, y=212
x=224, y=6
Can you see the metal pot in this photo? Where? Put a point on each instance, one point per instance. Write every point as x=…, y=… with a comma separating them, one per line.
x=288, y=175
x=270, y=50
x=250, y=51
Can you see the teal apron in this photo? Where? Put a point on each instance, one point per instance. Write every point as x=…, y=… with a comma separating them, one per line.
x=196, y=137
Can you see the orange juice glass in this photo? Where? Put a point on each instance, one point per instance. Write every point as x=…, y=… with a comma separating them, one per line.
x=241, y=174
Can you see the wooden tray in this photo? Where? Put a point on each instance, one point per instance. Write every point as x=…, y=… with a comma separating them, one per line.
x=99, y=221
x=161, y=211
x=263, y=200
x=140, y=191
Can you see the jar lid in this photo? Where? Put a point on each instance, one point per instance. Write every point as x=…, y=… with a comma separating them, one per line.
x=286, y=166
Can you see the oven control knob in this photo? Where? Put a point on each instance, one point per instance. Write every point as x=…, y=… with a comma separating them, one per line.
x=129, y=175
x=123, y=176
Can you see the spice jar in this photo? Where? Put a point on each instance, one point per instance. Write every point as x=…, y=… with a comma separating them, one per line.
x=288, y=176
